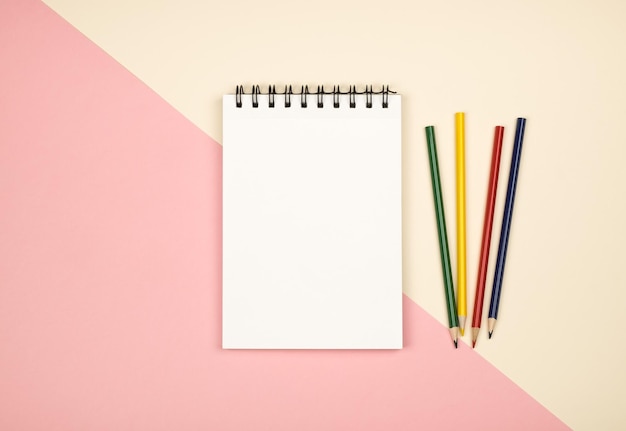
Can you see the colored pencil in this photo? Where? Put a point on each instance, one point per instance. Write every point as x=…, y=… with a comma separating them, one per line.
x=506, y=225
x=453, y=320
x=460, y=220
x=492, y=188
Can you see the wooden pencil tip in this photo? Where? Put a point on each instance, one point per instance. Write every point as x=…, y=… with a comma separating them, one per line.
x=491, y=325
x=454, y=334
x=475, y=331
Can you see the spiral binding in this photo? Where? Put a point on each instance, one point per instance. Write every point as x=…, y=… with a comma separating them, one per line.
x=319, y=94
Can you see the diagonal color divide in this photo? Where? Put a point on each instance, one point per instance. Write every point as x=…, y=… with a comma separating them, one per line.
x=110, y=259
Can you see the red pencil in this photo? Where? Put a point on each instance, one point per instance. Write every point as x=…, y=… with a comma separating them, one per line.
x=488, y=223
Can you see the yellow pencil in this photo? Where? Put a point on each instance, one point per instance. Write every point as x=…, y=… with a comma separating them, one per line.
x=459, y=118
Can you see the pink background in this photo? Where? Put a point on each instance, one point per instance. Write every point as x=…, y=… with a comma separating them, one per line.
x=110, y=276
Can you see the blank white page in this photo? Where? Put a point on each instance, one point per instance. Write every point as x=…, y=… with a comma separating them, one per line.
x=312, y=241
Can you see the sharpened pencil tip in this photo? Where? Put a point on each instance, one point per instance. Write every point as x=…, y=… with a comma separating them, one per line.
x=490, y=334
x=456, y=344
x=474, y=344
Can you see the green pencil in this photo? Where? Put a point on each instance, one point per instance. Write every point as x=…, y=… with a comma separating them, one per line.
x=453, y=318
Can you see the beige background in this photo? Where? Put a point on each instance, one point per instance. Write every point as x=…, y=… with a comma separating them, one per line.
x=560, y=64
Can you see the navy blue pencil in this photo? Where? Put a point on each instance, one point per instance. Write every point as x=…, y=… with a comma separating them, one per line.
x=506, y=225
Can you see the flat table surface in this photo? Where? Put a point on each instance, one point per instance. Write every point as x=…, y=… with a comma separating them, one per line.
x=559, y=65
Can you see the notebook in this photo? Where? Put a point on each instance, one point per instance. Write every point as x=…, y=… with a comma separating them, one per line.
x=312, y=235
